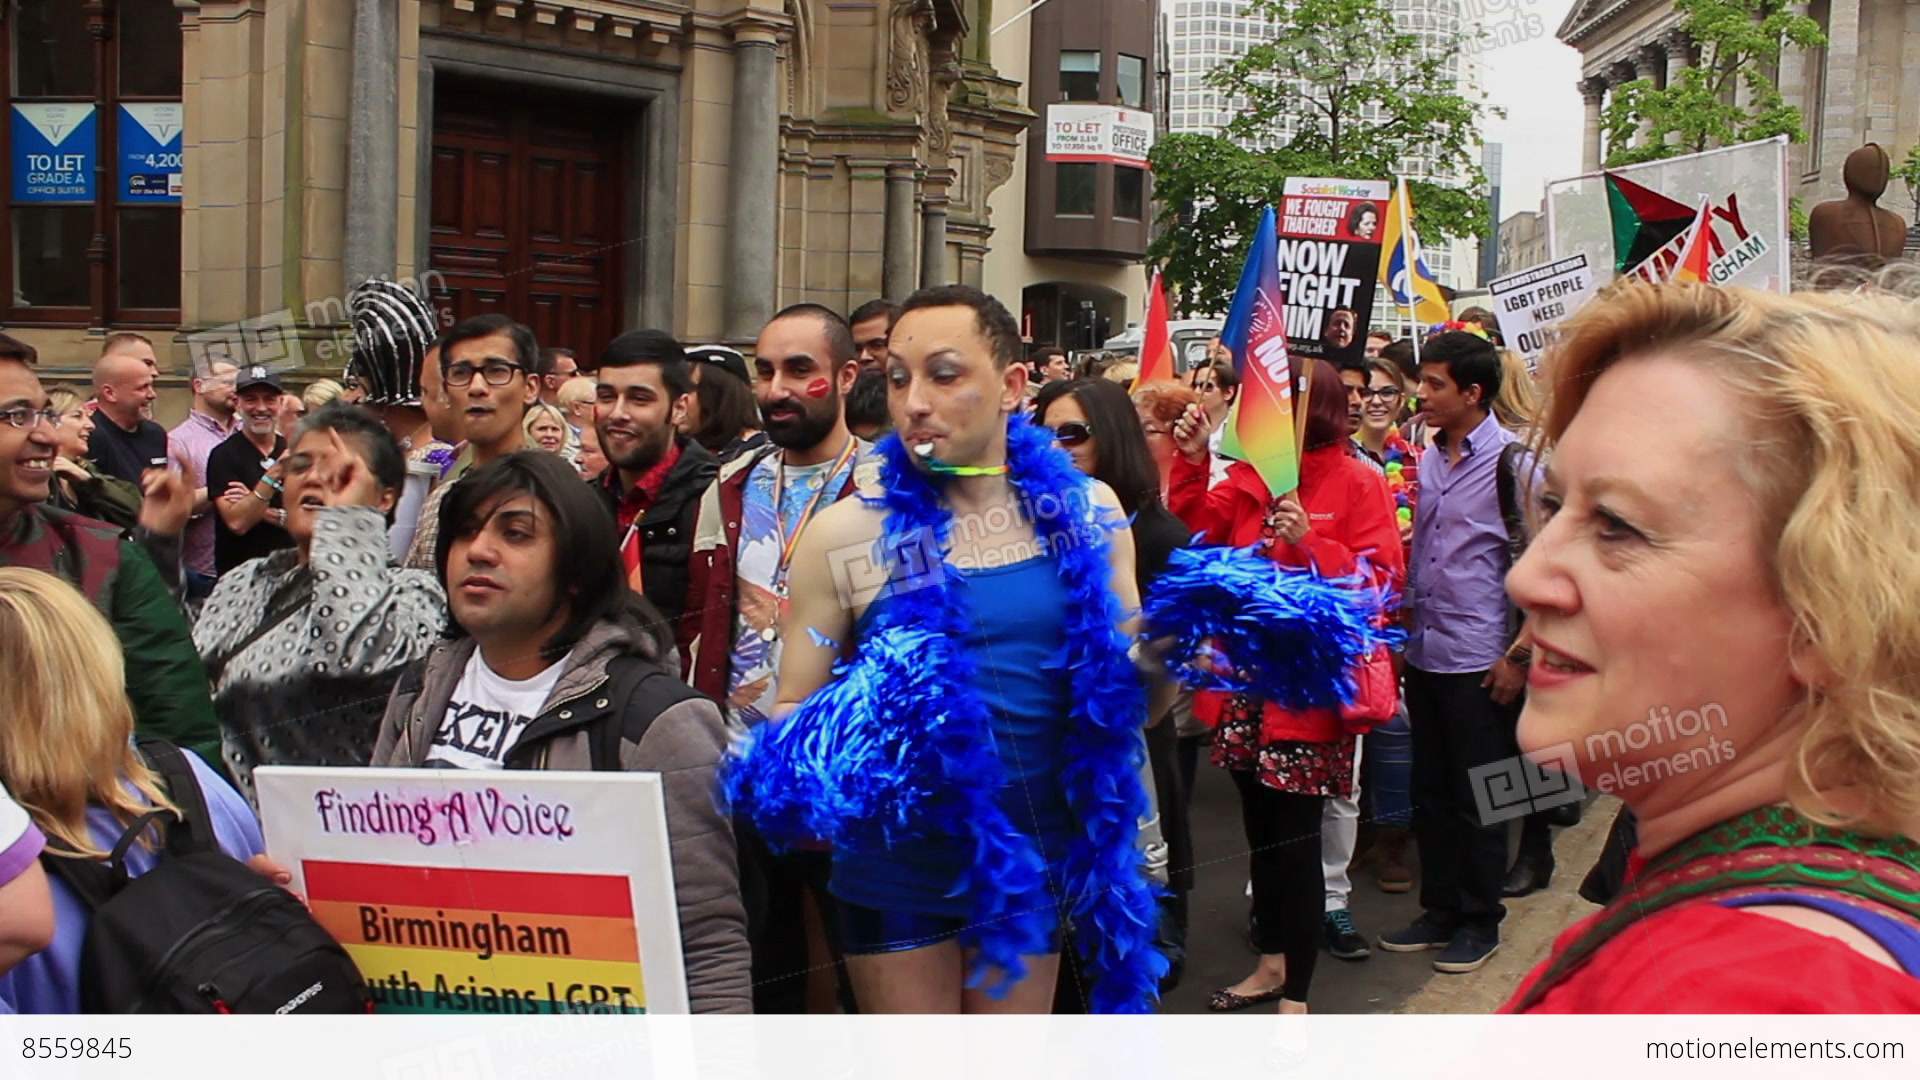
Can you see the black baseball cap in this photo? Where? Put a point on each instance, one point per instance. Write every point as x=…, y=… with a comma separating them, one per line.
x=255, y=375
x=720, y=356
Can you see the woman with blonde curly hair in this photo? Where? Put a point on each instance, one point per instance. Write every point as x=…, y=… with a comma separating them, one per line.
x=67, y=756
x=547, y=429
x=1720, y=594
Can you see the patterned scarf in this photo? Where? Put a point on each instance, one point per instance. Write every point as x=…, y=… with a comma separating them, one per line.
x=1770, y=849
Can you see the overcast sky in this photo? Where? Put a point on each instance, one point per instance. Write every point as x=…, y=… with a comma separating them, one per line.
x=1533, y=80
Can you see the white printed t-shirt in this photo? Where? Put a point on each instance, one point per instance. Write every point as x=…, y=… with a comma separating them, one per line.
x=487, y=715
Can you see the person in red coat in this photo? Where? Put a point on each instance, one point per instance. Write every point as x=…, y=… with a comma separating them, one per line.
x=1285, y=762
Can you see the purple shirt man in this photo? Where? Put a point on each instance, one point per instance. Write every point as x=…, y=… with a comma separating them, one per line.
x=1456, y=583
x=192, y=441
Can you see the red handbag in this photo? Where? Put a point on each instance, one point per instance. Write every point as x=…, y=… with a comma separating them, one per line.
x=1376, y=693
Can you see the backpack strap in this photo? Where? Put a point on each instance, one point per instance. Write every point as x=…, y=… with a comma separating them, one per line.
x=1506, y=484
x=194, y=829
x=644, y=691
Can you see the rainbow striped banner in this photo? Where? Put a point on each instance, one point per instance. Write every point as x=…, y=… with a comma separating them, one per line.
x=1260, y=429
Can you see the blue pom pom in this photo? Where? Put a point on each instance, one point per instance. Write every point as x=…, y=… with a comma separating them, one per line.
x=1290, y=636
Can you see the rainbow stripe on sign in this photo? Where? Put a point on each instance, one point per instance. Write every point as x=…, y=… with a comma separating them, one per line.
x=451, y=940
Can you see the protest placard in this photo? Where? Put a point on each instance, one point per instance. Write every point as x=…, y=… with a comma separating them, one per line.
x=1530, y=303
x=487, y=892
x=1329, y=261
x=1610, y=216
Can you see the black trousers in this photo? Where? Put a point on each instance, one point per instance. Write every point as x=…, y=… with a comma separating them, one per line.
x=1289, y=881
x=1457, y=727
x=772, y=888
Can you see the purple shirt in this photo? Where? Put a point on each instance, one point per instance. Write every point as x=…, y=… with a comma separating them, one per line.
x=193, y=440
x=1456, y=581
x=20, y=842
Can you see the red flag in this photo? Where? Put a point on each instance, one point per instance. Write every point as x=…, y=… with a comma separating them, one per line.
x=1156, y=351
x=1697, y=256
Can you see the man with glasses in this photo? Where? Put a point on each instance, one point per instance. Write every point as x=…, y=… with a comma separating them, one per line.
x=871, y=322
x=165, y=682
x=491, y=367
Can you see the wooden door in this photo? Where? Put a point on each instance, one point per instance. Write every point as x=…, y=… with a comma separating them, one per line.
x=526, y=210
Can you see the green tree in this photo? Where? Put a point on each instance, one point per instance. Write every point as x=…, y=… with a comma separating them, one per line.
x=1356, y=97
x=1909, y=174
x=1740, y=42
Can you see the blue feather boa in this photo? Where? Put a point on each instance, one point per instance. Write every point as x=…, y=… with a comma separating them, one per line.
x=899, y=745
x=1244, y=624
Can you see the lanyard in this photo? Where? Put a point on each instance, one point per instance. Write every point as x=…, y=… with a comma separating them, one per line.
x=788, y=543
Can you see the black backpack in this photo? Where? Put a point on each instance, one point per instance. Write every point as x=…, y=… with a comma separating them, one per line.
x=200, y=932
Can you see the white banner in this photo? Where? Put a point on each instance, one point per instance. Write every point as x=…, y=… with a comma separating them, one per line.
x=1099, y=133
x=1530, y=303
x=494, y=893
x=1746, y=184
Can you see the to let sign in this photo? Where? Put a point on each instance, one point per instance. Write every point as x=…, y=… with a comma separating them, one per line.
x=1103, y=134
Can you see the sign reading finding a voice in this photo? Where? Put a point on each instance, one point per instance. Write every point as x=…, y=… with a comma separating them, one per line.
x=487, y=892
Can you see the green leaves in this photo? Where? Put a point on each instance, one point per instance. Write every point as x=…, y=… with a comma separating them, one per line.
x=1336, y=90
x=1739, y=41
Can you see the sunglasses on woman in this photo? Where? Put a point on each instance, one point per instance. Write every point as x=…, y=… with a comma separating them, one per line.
x=1072, y=433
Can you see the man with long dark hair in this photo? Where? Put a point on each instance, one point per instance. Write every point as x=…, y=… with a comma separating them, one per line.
x=554, y=663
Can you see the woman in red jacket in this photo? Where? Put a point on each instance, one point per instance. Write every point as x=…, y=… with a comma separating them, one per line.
x=1286, y=763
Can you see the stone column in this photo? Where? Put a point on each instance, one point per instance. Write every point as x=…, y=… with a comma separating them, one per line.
x=897, y=249
x=933, y=231
x=1679, y=56
x=373, y=142
x=1839, y=131
x=1617, y=76
x=753, y=164
x=1592, y=92
x=1649, y=64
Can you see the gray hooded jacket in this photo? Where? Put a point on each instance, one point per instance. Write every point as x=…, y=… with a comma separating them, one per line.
x=684, y=744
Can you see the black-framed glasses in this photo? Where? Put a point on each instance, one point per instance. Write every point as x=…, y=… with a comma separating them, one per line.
x=496, y=372
x=1380, y=393
x=25, y=416
x=1072, y=433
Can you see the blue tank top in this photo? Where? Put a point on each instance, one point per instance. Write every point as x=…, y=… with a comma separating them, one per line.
x=1017, y=645
x=1901, y=941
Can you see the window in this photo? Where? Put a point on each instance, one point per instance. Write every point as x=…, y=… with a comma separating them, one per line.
x=1129, y=193
x=1133, y=81
x=95, y=157
x=1080, y=76
x=1073, y=188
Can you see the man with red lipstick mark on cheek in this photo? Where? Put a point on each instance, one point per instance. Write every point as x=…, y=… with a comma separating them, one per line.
x=805, y=363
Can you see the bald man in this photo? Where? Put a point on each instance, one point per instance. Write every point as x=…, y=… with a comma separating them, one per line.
x=125, y=443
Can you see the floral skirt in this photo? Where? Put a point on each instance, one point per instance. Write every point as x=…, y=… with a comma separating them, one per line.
x=1303, y=768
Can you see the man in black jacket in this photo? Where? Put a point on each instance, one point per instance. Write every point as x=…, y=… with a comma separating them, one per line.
x=656, y=476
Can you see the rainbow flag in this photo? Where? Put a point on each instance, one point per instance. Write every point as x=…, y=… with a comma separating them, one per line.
x=1400, y=249
x=1697, y=256
x=1260, y=429
x=1156, y=350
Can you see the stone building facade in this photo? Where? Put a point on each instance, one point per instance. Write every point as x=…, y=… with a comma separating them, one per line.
x=1861, y=87
x=587, y=166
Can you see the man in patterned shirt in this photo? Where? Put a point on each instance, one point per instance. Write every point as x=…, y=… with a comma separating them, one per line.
x=805, y=363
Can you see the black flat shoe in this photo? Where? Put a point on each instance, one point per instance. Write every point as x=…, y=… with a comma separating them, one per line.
x=1527, y=876
x=1228, y=1001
